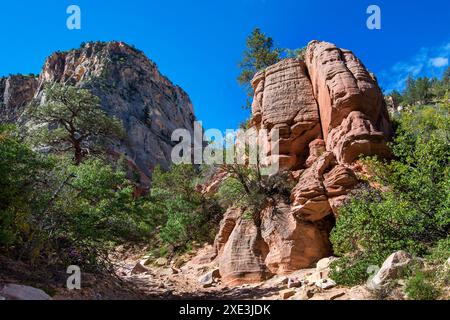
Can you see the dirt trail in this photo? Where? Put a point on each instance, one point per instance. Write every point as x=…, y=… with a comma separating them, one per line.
x=166, y=282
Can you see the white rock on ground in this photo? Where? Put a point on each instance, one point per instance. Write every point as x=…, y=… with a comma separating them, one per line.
x=325, y=283
x=20, y=292
x=390, y=269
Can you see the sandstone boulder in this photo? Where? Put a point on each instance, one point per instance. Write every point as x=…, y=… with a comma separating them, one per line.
x=209, y=278
x=292, y=244
x=242, y=258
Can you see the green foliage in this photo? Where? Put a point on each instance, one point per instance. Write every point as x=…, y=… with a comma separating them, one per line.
x=97, y=203
x=21, y=171
x=259, y=54
x=246, y=187
x=71, y=119
x=351, y=271
x=54, y=211
x=440, y=252
x=295, y=53
x=412, y=212
x=419, y=288
x=182, y=212
x=424, y=90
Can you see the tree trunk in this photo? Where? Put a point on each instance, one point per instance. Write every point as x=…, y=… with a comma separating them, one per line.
x=78, y=153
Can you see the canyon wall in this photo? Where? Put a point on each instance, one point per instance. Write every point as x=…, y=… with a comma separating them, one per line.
x=130, y=87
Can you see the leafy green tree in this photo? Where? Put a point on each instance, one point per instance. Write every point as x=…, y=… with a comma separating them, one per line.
x=21, y=173
x=72, y=120
x=410, y=95
x=259, y=54
x=446, y=76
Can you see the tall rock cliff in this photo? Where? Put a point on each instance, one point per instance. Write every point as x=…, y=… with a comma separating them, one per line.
x=329, y=110
x=130, y=87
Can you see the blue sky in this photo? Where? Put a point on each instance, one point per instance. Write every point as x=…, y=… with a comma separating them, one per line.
x=198, y=44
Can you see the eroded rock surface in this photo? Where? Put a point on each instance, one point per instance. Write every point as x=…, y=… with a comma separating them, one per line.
x=130, y=87
x=329, y=111
x=284, y=101
x=15, y=94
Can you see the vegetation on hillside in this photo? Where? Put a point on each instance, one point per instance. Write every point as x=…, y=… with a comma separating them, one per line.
x=72, y=203
x=409, y=209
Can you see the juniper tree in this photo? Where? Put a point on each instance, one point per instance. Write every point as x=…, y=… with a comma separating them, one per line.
x=71, y=120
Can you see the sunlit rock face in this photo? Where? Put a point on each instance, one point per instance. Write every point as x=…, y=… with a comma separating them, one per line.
x=329, y=111
x=15, y=94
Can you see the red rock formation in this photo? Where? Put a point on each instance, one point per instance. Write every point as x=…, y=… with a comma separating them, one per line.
x=284, y=101
x=293, y=243
x=242, y=257
x=341, y=85
x=290, y=96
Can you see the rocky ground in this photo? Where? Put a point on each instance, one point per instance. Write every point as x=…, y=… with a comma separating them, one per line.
x=202, y=281
x=142, y=277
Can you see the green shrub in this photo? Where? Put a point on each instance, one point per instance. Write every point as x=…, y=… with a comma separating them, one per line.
x=419, y=288
x=182, y=212
x=410, y=211
x=350, y=272
x=22, y=171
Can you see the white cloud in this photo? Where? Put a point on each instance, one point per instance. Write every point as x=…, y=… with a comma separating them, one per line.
x=439, y=62
x=427, y=62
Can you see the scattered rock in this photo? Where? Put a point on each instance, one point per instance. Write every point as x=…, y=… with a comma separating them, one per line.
x=325, y=284
x=160, y=262
x=331, y=294
x=324, y=263
x=359, y=293
x=391, y=268
x=166, y=272
x=20, y=292
x=287, y=293
x=139, y=268
x=208, y=279
x=175, y=270
x=294, y=283
x=304, y=294
x=337, y=295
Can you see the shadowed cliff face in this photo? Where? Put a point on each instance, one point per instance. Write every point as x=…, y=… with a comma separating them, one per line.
x=130, y=87
x=330, y=111
x=15, y=93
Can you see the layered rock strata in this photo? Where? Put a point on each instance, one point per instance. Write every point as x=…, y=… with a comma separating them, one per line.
x=329, y=111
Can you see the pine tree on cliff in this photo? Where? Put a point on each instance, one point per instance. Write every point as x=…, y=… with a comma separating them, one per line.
x=259, y=54
x=71, y=120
